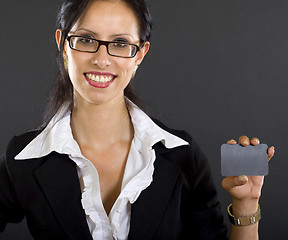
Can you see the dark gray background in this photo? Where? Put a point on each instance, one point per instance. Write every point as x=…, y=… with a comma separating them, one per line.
x=217, y=68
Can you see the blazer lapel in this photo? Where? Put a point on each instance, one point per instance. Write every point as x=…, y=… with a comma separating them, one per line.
x=59, y=181
x=146, y=212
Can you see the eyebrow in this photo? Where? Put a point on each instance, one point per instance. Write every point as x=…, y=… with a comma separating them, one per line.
x=84, y=29
x=95, y=34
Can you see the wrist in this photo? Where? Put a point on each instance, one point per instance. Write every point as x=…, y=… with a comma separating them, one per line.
x=246, y=220
x=244, y=207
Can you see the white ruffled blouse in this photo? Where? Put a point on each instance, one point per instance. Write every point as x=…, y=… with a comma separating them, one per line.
x=138, y=175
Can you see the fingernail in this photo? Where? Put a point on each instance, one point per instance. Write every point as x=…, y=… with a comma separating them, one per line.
x=246, y=142
x=256, y=141
x=243, y=179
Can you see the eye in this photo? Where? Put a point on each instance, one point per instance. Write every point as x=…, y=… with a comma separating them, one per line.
x=120, y=44
x=85, y=40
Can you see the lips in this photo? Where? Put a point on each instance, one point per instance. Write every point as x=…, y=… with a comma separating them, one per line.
x=100, y=80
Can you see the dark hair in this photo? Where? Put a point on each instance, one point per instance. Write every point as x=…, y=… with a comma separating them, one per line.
x=70, y=12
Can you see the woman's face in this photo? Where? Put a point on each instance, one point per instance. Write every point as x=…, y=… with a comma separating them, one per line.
x=98, y=77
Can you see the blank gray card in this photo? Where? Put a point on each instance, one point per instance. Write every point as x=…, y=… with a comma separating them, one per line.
x=237, y=160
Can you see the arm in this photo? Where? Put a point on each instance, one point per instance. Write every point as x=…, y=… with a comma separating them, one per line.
x=204, y=213
x=10, y=209
x=245, y=192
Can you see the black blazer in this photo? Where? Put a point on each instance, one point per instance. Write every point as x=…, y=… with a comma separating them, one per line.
x=180, y=203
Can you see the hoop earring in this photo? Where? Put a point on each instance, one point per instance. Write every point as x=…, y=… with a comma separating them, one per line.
x=65, y=62
x=135, y=69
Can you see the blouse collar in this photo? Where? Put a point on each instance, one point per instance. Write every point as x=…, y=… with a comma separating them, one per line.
x=57, y=136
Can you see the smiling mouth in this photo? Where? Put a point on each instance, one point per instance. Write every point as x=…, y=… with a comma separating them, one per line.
x=100, y=78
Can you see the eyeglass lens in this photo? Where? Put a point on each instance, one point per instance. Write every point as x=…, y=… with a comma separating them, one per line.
x=91, y=45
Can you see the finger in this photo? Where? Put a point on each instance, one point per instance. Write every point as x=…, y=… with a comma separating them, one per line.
x=244, y=141
x=271, y=152
x=230, y=182
x=255, y=141
x=231, y=141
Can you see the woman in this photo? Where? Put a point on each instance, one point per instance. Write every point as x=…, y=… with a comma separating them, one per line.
x=101, y=168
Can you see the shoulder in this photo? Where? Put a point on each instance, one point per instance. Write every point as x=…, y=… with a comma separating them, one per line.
x=193, y=164
x=190, y=158
x=19, y=142
x=190, y=151
x=179, y=133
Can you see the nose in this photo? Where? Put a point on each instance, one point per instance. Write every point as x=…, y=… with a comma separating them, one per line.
x=101, y=57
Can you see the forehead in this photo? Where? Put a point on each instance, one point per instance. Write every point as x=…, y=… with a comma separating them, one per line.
x=109, y=17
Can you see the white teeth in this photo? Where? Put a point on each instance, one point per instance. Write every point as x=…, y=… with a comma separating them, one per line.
x=99, y=78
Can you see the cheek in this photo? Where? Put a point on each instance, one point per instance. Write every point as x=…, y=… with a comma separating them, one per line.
x=127, y=68
x=74, y=65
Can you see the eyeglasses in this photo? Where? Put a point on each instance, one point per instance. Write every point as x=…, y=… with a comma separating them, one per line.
x=114, y=48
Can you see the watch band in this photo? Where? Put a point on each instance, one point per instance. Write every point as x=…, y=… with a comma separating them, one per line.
x=244, y=220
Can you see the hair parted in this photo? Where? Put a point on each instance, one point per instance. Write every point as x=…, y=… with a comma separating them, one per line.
x=69, y=13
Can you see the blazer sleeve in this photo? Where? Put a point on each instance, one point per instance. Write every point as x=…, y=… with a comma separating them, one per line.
x=201, y=214
x=202, y=210
x=10, y=209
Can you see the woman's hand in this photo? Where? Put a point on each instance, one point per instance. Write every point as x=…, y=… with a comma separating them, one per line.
x=245, y=190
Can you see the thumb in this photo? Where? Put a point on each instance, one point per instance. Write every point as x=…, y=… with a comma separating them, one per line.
x=230, y=182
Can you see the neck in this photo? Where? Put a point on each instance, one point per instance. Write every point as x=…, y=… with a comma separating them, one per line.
x=101, y=126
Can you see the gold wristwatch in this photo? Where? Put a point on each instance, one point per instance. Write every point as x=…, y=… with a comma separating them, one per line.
x=244, y=220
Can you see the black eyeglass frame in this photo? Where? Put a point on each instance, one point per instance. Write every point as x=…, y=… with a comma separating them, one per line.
x=105, y=43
